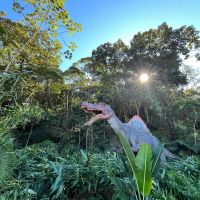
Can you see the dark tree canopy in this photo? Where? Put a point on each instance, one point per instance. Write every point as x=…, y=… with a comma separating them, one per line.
x=159, y=52
x=163, y=47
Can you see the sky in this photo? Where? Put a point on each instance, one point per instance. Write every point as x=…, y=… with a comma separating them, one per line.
x=110, y=20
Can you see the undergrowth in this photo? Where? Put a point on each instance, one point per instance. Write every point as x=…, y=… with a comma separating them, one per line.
x=43, y=173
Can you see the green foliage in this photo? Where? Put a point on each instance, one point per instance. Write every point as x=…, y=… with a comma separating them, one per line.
x=51, y=12
x=17, y=116
x=8, y=161
x=44, y=173
x=162, y=47
x=183, y=117
x=8, y=164
x=157, y=158
x=41, y=16
x=20, y=116
x=179, y=181
x=115, y=68
x=38, y=101
x=143, y=161
x=141, y=165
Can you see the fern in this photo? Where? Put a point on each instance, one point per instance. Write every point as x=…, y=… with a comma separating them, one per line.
x=6, y=167
x=7, y=161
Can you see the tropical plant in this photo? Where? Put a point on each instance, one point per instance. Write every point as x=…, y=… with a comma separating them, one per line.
x=141, y=165
x=180, y=180
x=8, y=161
x=42, y=172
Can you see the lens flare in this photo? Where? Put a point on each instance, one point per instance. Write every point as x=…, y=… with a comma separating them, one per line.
x=144, y=78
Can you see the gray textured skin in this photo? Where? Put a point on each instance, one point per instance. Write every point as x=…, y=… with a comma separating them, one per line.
x=136, y=136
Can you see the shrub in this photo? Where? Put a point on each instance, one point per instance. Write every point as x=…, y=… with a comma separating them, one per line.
x=43, y=173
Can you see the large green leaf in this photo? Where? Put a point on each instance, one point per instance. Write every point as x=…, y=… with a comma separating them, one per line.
x=156, y=158
x=129, y=152
x=143, y=171
x=141, y=165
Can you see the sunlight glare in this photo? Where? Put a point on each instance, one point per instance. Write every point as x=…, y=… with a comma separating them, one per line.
x=144, y=78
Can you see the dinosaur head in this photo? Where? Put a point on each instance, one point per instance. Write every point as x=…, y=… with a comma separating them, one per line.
x=101, y=111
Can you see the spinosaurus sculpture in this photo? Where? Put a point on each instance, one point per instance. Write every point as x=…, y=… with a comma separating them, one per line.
x=135, y=130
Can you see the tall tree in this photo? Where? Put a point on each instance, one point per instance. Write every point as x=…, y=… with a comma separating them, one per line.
x=38, y=62
x=157, y=52
x=162, y=47
x=42, y=15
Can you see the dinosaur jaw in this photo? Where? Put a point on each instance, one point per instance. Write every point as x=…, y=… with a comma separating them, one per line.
x=99, y=113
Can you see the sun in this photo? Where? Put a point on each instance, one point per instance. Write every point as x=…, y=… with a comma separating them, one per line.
x=144, y=78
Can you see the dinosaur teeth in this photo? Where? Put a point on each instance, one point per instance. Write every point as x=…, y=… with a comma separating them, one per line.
x=94, y=111
x=89, y=110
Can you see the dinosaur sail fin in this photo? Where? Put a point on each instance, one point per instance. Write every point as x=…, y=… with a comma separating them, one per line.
x=138, y=123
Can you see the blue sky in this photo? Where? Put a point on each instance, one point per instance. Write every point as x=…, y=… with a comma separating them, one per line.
x=108, y=20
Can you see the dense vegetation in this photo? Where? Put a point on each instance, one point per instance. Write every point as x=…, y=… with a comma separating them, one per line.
x=46, y=152
x=43, y=173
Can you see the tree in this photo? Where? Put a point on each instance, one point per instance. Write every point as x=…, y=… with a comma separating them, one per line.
x=116, y=68
x=40, y=52
x=47, y=16
x=29, y=50
x=38, y=62
x=30, y=56
x=192, y=76
x=183, y=116
x=162, y=47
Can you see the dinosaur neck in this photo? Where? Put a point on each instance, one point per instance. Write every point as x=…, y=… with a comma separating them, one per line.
x=115, y=123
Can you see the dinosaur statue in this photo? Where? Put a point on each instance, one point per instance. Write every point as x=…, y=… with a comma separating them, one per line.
x=135, y=130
